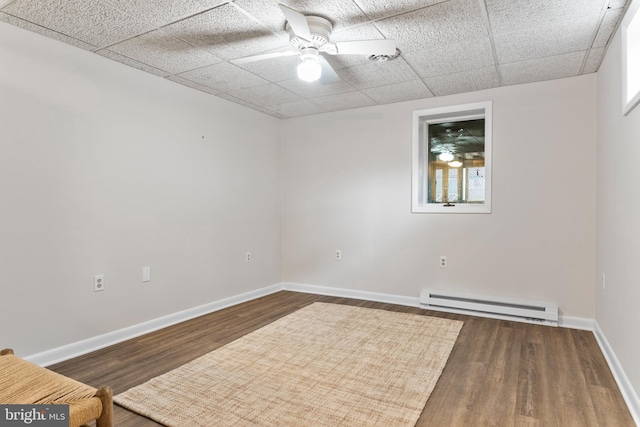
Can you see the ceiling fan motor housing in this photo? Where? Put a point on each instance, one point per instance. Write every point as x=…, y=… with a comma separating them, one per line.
x=320, y=30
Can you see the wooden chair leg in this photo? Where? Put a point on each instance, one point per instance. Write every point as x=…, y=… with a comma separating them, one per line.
x=106, y=418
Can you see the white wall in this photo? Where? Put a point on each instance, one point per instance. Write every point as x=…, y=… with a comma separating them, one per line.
x=104, y=170
x=347, y=183
x=618, y=217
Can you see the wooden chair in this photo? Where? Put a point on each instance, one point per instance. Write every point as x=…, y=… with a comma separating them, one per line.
x=23, y=382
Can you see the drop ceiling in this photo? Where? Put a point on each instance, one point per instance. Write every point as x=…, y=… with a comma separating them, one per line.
x=446, y=47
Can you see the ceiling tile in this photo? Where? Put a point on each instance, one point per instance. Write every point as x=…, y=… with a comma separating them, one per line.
x=164, y=52
x=374, y=74
x=405, y=91
x=267, y=12
x=250, y=105
x=298, y=108
x=466, y=81
x=344, y=101
x=609, y=23
x=534, y=70
x=26, y=25
x=379, y=9
x=193, y=85
x=594, y=58
x=162, y=12
x=274, y=69
x=315, y=89
x=226, y=32
x=131, y=62
x=443, y=24
x=476, y=53
x=345, y=61
x=341, y=13
x=548, y=40
x=615, y=4
x=223, y=77
x=366, y=31
x=507, y=16
x=90, y=21
x=266, y=95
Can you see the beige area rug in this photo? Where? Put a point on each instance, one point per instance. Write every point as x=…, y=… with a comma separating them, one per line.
x=323, y=365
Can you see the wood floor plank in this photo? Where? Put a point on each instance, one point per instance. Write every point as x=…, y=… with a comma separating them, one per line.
x=497, y=405
x=530, y=382
x=571, y=399
x=499, y=373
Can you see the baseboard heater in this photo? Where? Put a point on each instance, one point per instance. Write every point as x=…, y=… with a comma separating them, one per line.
x=546, y=314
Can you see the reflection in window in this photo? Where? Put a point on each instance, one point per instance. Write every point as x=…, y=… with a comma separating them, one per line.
x=475, y=184
x=452, y=159
x=453, y=186
x=455, y=149
x=438, y=197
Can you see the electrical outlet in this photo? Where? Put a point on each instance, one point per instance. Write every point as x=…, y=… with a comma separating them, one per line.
x=338, y=255
x=146, y=274
x=247, y=257
x=443, y=262
x=98, y=283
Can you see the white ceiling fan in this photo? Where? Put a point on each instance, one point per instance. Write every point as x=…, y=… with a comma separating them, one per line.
x=309, y=35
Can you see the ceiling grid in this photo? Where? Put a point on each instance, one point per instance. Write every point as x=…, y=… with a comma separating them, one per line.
x=446, y=46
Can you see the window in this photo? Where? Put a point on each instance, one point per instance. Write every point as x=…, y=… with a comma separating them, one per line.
x=631, y=58
x=452, y=159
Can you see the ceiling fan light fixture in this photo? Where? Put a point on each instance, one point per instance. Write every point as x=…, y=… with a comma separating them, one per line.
x=384, y=58
x=445, y=157
x=309, y=36
x=309, y=69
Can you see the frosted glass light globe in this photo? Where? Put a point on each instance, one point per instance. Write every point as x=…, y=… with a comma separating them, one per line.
x=309, y=70
x=445, y=157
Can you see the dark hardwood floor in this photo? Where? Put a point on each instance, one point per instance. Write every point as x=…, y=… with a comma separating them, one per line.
x=499, y=373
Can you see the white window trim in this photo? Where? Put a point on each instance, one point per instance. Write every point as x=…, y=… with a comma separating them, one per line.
x=460, y=112
x=632, y=15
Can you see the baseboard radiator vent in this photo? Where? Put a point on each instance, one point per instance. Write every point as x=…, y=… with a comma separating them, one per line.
x=545, y=314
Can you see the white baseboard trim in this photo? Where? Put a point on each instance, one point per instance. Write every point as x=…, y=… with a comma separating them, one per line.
x=79, y=348
x=563, y=321
x=351, y=293
x=626, y=388
x=571, y=322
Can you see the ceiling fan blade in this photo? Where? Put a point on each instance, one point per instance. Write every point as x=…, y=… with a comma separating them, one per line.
x=328, y=75
x=254, y=58
x=366, y=47
x=297, y=22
